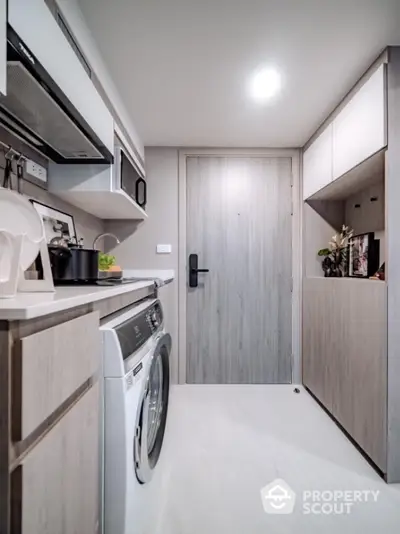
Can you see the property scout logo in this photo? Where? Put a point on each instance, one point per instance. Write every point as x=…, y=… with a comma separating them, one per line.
x=279, y=498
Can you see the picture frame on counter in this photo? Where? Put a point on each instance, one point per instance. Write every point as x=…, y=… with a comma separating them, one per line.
x=56, y=223
x=363, y=255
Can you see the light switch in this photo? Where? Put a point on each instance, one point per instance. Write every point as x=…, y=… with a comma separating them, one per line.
x=164, y=249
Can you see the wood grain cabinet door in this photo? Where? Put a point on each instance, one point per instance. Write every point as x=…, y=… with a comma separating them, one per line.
x=345, y=356
x=58, y=480
x=360, y=391
x=319, y=340
x=54, y=363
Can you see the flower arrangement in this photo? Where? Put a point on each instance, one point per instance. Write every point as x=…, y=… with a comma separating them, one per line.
x=335, y=262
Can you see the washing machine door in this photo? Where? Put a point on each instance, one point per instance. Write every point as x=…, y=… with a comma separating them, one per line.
x=152, y=415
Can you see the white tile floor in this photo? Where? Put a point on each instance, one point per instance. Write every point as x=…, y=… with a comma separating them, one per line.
x=224, y=443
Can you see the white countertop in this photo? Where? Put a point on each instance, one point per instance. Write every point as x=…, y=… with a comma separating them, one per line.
x=32, y=305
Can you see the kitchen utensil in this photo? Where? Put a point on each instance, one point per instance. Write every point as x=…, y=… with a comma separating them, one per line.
x=73, y=264
x=7, y=173
x=104, y=275
x=20, y=172
x=19, y=217
x=59, y=242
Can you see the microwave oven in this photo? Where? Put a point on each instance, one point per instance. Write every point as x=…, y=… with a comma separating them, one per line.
x=128, y=177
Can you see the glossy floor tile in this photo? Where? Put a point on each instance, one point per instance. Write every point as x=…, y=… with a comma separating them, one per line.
x=223, y=444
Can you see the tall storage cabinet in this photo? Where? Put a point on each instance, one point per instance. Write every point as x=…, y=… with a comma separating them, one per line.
x=347, y=364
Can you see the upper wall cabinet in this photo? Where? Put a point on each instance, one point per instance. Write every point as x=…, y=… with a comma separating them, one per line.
x=52, y=60
x=360, y=128
x=356, y=133
x=3, y=46
x=72, y=18
x=317, y=163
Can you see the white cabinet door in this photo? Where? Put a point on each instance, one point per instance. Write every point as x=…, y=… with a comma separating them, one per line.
x=317, y=164
x=360, y=128
x=3, y=46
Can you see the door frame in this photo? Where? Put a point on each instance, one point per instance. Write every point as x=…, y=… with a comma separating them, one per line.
x=297, y=262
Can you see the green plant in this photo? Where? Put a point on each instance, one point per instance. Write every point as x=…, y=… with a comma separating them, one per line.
x=324, y=252
x=105, y=261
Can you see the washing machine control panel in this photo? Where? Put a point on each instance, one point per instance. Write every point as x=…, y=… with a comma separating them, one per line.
x=154, y=317
x=134, y=332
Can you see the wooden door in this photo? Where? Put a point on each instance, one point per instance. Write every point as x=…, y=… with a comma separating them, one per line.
x=239, y=318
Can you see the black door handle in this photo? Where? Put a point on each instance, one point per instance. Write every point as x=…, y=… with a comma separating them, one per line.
x=194, y=270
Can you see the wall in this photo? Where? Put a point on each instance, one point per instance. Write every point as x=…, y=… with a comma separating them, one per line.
x=317, y=235
x=87, y=226
x=369, y=216
x=139, y=240
x=393, y=263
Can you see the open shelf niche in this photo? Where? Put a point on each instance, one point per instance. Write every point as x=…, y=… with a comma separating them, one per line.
x=357, y=200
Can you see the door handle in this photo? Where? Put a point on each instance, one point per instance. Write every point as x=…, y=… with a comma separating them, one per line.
x=194, y=270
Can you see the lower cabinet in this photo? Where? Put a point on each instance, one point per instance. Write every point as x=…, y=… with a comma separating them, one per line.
x=55, y=490
x=345, y=356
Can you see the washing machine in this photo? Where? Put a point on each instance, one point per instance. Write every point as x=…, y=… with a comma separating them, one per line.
x=136, y=352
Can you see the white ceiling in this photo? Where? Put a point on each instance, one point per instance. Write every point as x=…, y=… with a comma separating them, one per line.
x=182, y=65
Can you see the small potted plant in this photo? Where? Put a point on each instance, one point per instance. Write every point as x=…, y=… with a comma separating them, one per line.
x=107, y=267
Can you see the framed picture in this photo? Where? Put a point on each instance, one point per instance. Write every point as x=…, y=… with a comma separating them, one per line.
x=56, y=223
x=363, y=255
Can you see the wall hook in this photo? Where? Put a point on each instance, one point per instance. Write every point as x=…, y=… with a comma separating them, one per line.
x=9, y=153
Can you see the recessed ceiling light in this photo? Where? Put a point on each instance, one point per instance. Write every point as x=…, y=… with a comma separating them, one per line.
x=265, y=84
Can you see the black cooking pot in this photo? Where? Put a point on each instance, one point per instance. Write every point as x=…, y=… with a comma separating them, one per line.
x=73, y=264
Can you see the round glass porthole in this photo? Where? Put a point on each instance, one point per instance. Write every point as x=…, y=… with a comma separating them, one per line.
x=152, y=419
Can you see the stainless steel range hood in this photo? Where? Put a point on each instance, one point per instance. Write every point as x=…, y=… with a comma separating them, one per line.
x=37, y=111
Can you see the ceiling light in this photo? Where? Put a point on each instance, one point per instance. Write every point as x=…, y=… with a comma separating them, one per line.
x=265, y=84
